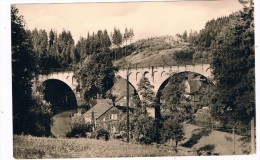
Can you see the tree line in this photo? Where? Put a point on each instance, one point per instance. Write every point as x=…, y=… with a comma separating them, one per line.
x=58, y=50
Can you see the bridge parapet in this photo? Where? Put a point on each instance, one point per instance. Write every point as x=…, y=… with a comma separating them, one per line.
x=156, y=74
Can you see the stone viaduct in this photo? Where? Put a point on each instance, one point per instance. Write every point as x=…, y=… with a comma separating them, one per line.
x=156, y=75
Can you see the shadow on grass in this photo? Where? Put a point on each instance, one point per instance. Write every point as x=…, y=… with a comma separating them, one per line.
x=206, y=150
x=244, y=144
x=196, y=137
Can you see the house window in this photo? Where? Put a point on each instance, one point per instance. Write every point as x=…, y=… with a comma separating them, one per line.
x=113, y=129
x=104, y=119
x=113, y=116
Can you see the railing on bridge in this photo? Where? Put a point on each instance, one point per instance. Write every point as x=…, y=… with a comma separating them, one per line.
x=53, y=70
x=131, y=66
x=139, y=66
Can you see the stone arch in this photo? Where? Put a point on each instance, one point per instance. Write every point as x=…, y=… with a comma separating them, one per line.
x=145, y=72
x=60, y=95
x=199, y=77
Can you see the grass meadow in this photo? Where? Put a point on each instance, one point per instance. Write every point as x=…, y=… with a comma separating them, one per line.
x=197, y=139
x=42, y=147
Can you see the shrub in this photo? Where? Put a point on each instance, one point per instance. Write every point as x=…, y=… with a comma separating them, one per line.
x=78, y=126
x=40, y=113
x=102, y=133
x=147, y=130
x=206, y=150
x=144, y=129
x=42, y=118
x=184, y=55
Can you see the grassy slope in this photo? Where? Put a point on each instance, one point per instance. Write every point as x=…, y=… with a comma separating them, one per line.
x=222, y=142
x=149, y=51
x=40, y=147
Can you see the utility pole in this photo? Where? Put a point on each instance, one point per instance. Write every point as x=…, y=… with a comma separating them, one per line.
x=93, y=120
x=127, y=101
x=234, y=141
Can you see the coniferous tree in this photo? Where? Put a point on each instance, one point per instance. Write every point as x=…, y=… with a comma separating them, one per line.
x=117, y=40
x=106, y=40
x=65, y=46
x=185, y=36
x=51, y=38
x=146, y=93
x=233, y=68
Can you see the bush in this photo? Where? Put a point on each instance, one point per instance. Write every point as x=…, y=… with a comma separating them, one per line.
x=147, y=130
x=144, y=129
x=206, y=150
x=78, y=126
x=42, y=118
x=102, y=133
x=184, y=55
x=40, y=114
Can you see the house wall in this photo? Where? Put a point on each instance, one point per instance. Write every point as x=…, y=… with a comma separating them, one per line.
x=109, y=120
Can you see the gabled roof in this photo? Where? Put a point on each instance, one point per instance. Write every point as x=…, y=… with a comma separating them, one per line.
x=100, y=108
x=108, y=110
x=119, y=88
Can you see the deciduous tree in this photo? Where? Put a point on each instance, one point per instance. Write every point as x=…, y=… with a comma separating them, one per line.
x=96, y=75
x=23, y=72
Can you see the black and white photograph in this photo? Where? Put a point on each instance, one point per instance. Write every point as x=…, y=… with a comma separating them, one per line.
x=124, y=79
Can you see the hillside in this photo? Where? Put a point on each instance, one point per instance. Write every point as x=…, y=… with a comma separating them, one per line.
x=202, y=139
x=161, y=51
x=156, y=51
x=42, y=147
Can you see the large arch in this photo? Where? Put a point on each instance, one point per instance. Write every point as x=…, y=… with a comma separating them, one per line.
x=196, y=76
x=194, y=87
x=60, y=95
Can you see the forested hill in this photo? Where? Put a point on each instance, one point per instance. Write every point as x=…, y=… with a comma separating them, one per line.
x=55, y=50
x=208, y=34
x=186, y=48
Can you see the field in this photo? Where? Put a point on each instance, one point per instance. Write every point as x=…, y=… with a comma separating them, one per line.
x=42, y=147
x=39, y=147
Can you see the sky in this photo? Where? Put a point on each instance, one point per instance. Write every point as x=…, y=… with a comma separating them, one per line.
x=147, y=19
